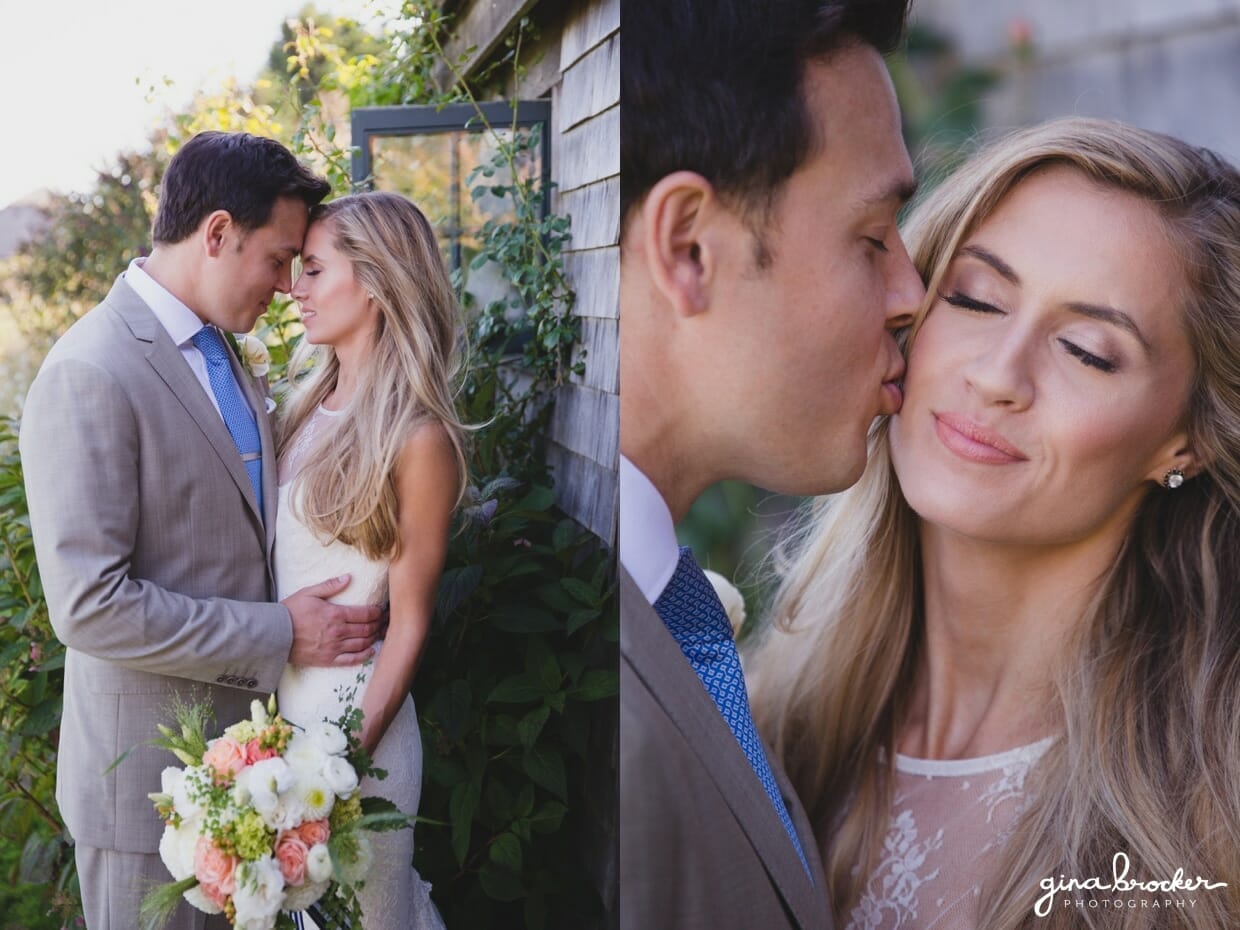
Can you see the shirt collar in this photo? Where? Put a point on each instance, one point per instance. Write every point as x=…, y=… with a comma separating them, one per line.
x=179, y=320
x=648, y=549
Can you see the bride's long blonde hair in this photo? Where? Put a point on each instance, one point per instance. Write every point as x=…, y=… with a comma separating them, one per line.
x=347, y=486
x=1149, y=759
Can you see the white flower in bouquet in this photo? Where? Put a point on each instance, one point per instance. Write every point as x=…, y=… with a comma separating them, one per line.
x=731, y=598
x=304, y=755
x=287, y=813
x=259, y=894
x=201, y=900
x=340, y=776
x=170, y=779
x=318, y=863
x=176, y=848
x=315, y=796
x=266, y=781
x=255, y=355
x=186, y=792
x=329, y=737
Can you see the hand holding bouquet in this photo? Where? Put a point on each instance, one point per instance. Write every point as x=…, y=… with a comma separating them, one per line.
x=264, y=819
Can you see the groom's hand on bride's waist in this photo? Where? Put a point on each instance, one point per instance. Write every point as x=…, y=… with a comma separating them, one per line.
x=332, y=634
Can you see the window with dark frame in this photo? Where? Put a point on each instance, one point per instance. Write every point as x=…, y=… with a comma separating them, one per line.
x=428, y=154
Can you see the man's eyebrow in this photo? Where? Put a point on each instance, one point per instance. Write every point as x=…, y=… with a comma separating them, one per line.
x=994, y=261
x=900, y=190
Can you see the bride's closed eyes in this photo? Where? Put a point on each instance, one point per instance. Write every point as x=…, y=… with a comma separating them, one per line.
x=1089, y=359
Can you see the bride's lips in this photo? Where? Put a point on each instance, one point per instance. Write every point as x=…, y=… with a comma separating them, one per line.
x=974, y=442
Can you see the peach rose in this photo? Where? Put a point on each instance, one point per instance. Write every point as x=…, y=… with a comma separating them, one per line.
x=255, y=753
x=291, y=855
x=313, y=832
x=225, y=757
x=215, y=869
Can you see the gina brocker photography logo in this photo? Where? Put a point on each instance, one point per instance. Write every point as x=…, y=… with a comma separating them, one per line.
x=1119, y=892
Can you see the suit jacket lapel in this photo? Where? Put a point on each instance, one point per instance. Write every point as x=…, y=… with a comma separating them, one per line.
x=166, y=359
x=658, y=661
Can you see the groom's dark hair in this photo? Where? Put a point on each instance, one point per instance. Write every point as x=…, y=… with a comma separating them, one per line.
x=232, y=171
x=716, y=87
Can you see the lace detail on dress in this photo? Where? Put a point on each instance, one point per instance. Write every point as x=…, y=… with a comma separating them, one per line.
x=948, y=819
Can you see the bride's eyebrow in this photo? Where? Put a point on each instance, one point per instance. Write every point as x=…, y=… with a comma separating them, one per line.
x=994, y=261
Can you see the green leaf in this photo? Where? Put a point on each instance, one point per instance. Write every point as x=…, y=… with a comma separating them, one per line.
x=461, y=810
x=517, y=689
x=579, y=618
x=581, y=591
x=455, y=585
x=549, y=817
x=546, y=766
x=506, y=852
x=537, y=500
x=531, y=725
x=520, y=618
x=596, y=684
x=500, y=884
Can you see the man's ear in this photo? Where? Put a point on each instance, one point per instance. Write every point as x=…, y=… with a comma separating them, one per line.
x=680, y=263
x=216, y=230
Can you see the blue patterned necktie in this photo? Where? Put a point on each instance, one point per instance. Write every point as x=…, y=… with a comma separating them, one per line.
x=696, y=619
x=237, y=415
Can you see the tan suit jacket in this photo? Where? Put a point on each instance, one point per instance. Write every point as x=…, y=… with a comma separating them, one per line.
x=154, y=560
x=701, y=847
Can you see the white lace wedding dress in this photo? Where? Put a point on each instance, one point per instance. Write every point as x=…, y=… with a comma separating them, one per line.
x=949, y=819
x=394, y=895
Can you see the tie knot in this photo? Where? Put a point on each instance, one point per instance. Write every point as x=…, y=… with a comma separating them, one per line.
x=690, y=607
x=209, y=343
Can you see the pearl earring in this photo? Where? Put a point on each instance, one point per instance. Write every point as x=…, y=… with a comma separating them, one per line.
x=1173, y=479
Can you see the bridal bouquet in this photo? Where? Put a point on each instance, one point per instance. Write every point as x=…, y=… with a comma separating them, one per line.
x=264, y=819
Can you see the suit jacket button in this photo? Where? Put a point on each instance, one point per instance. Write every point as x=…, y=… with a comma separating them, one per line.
x=252, y=683
x=232, y=679
x=221, y=679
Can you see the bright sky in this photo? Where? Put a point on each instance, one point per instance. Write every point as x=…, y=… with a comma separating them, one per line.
x=75, y=74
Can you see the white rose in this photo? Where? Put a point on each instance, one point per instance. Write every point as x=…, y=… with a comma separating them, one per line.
x=301, y=897
x=304, y=756
x=731, y=598
x=329, y=737
x=287, y=813
x=260, y=892
x=170, y=778
x=176, y=849
x=198, y=898
x=340, y=777
x=319, y=863
x=255, y=355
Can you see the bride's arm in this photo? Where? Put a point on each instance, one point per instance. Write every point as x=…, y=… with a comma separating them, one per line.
x=426, y=484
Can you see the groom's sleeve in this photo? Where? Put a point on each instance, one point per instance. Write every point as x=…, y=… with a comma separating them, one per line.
x=79, y=443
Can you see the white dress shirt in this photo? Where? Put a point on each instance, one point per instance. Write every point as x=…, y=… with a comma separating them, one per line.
x=648, y=548
x=179, y=321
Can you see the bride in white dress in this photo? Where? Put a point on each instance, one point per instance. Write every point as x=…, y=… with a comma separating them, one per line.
x=371, y=466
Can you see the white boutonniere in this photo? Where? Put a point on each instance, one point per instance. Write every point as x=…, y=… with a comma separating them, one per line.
x=731, y=598
x=254, y=355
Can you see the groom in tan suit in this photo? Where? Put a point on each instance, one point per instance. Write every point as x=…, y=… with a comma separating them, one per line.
x=151, y=475
x=762, y=168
